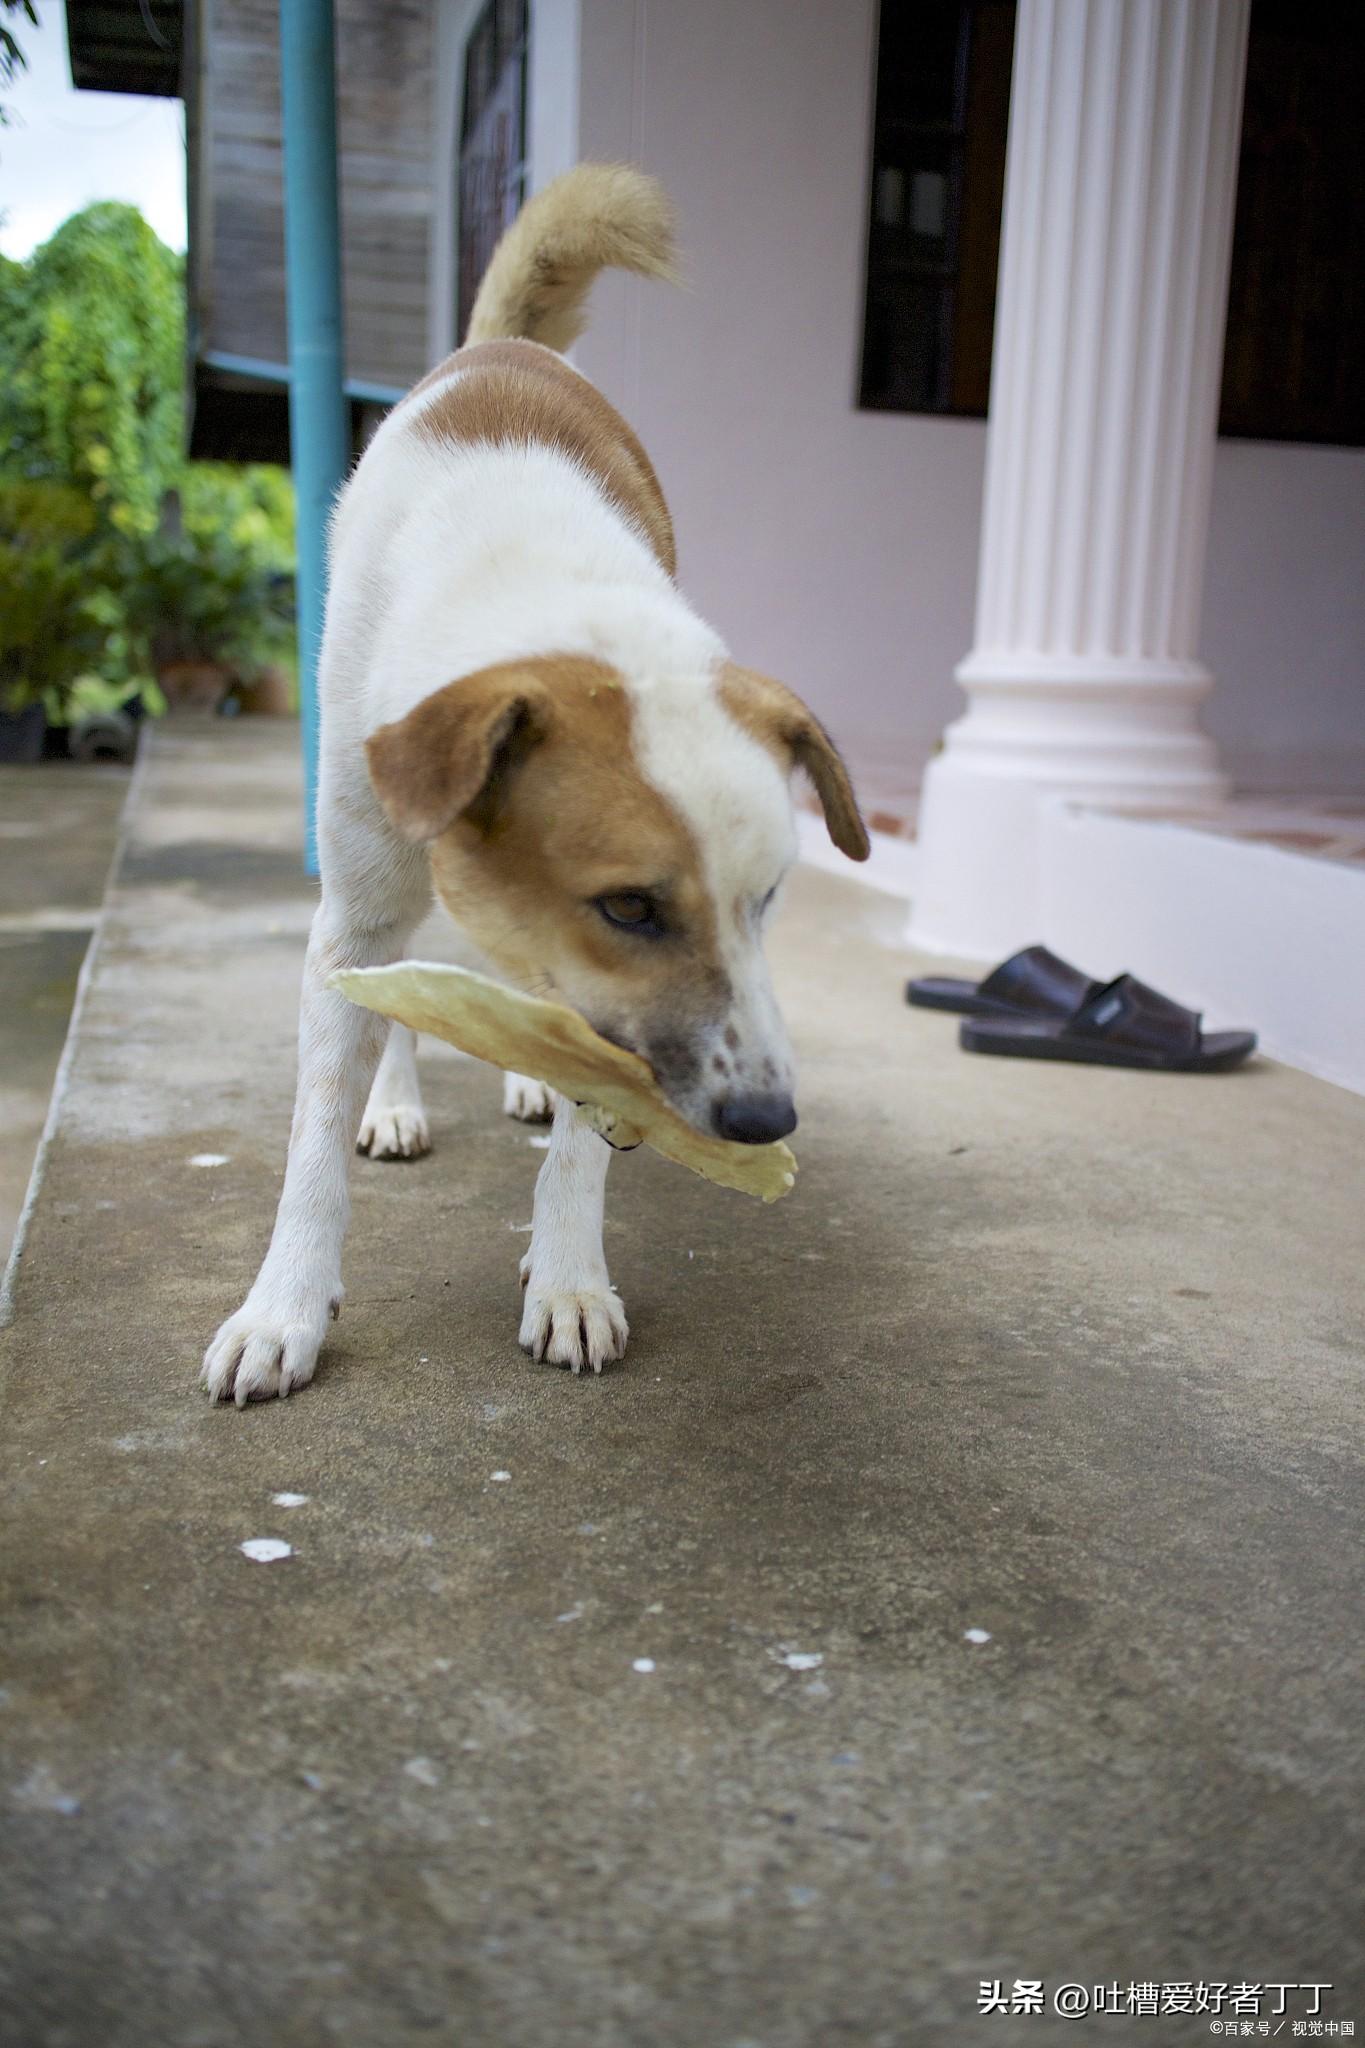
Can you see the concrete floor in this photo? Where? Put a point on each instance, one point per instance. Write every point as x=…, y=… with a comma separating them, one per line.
x=58, y=828
x=1068, y=1357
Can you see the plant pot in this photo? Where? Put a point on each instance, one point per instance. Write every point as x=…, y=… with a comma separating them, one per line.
x=103, y=736
x=21, y=733
x=195, y=685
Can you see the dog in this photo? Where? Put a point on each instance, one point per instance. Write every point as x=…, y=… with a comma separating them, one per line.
x=521, y=714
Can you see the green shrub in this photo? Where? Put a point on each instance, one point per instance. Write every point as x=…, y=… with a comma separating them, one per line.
x=51, y=626
x=116, y=556
x=200, y=590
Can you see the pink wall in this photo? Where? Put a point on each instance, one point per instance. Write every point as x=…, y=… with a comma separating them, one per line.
x=1284, y=614
x=838, y=548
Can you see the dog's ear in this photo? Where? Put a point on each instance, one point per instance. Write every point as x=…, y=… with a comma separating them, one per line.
x=776, y=715
x=454, y=755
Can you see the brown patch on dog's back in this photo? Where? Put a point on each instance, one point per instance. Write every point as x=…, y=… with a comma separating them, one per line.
x=513, y=393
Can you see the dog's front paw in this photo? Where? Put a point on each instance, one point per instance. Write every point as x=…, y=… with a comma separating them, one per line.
x=267, y=1349
x=584, y=1326
x=396, y=1132
x=529, y=1101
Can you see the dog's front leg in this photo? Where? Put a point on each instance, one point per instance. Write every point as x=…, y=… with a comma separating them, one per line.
x=271, y=1344
x=571, y=1316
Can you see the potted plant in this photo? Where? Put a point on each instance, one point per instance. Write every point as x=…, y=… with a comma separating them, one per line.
x=206, y=603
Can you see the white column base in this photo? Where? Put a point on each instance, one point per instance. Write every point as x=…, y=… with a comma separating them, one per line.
x=1102, y=726
x=978, y=893
x=1114, y=732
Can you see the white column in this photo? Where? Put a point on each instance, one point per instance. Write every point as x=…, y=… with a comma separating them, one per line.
x=1083, y=680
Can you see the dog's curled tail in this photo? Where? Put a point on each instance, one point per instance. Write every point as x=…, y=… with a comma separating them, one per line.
x=594, y=217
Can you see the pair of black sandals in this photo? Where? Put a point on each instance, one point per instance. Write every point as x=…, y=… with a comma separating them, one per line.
x=1035, y=1006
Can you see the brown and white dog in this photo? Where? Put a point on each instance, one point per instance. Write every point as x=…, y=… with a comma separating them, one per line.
x=520, y=711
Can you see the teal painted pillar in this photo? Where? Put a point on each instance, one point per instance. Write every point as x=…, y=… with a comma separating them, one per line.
x=319, y=420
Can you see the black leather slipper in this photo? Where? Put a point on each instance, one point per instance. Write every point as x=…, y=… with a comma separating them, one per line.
x=1122, y=1024
x=1034, y=983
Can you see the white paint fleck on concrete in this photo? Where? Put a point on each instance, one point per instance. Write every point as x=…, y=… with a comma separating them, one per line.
x=800, y=1660
x=265, y=1549
x=574, y=1613
x=423, y=1769
x=976, y=1635
x=168, y=1437
x=209, y=1159
x=643, y=1664
x=289, y=1500
x=499, y=1477
x=40, y=1792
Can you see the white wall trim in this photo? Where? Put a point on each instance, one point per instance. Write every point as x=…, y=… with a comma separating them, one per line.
x=1257, y=936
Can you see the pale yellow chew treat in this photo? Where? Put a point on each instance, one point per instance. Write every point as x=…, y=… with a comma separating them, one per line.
x=617, y=1089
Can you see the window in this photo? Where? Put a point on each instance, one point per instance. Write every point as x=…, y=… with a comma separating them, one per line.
x=1296, y=301
x=492, y=141
x=938, y=173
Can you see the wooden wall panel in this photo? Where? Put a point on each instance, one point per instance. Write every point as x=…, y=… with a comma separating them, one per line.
x=385, y=58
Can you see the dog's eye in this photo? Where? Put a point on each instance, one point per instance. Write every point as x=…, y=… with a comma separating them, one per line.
x=632, y=911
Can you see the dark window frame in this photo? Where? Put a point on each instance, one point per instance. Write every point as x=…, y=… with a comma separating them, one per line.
x=1296, y=302
x=945, y=154
x=491, y=160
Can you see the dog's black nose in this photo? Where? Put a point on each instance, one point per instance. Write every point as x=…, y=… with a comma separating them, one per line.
x=755, y=1119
